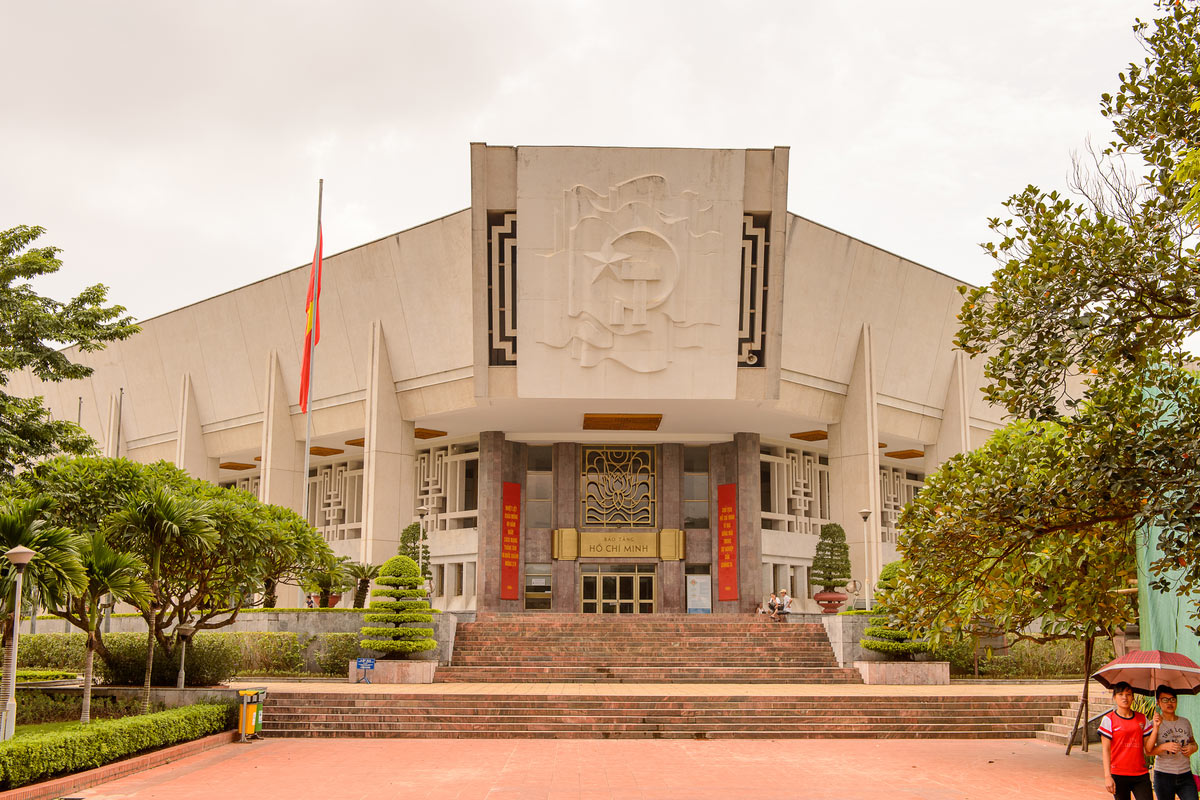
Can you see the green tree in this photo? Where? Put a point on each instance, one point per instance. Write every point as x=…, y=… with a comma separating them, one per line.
x=109, y=572
x=362, y=575
x=155, y=524
x=294, y=549
x=32, y=328
x=831, y=563
x=1082, y=326
x=414, y=543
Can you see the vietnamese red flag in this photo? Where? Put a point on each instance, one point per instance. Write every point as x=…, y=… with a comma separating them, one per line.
x=312, y=325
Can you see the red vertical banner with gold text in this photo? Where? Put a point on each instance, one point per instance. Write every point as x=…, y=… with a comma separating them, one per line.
x=727, y=544
x=510, y=543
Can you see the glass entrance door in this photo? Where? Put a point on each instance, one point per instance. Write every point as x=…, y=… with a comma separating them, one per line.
x=617, y=589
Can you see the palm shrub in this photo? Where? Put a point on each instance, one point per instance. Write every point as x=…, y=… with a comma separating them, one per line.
x=362, y=574
x=881, y=635
x=109, y=572
x=400, y=578
x=831, y=563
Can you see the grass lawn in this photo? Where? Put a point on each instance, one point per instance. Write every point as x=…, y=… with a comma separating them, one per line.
x=44, y=727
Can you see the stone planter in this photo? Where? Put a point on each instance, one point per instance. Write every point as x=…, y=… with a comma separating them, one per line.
x=905, y=673
x=395, y=671
x=830, y=602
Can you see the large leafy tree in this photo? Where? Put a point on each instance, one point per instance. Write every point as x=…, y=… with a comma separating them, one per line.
x=1084, y=322
x=32, y=328
x=295, y=549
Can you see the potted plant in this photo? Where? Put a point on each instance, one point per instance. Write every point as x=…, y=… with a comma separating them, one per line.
x=831, y=567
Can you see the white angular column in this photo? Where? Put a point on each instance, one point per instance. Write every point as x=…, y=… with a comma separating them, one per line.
x=389, y=485
x=190, y=453
x=282, y=454
x=954, y=434
x=854, y=465
x=112, y=447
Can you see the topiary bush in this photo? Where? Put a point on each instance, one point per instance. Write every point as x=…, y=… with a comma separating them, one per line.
x=881, y=635
x=400, y=578
x=831, y=562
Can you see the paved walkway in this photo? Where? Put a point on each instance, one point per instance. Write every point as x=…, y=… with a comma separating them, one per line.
x=592, y=769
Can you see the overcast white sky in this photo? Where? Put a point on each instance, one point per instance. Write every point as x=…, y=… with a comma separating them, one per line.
x=173, y=149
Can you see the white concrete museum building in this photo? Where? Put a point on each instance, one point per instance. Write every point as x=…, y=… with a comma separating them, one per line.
x=623, y=381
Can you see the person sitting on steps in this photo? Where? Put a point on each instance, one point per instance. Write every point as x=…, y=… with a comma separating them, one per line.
x=783, y=607
x=772, y=604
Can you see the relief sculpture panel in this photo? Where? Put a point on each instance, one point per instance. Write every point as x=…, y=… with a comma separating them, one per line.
x=631, y=286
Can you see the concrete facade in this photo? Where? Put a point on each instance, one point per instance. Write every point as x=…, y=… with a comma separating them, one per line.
x=811, y=371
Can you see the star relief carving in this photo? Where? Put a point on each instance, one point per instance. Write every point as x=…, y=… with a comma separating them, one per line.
x=608, y=258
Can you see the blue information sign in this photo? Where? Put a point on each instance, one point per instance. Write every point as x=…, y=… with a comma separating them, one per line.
x=366, y=663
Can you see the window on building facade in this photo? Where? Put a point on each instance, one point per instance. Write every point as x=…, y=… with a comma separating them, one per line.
x=618, y=487
x=539, y=583
x=539, y=487
x=335, y=500
x=897, y=488
x=448, y=486
x=794, y=490
x=695, y=488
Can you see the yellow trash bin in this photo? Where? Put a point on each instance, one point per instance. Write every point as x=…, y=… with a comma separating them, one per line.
x=250, y=714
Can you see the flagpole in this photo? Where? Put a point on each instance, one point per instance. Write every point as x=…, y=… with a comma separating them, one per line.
x=312, y=345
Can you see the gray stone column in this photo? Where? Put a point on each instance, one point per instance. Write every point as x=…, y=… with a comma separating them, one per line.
x=749, y=480
x=566, y=515
x=671, y=586
x=487, y=571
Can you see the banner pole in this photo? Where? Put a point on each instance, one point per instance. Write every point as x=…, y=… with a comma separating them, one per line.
x=312, y=347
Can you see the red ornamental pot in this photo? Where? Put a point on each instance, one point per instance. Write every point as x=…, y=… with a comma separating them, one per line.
x=830, y=602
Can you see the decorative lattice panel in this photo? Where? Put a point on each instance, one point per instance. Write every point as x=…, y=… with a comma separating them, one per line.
x=897, y=488
x=797, y=496
x=250, y=485
x=752, y=316
x=618, y=487
x=447, y=486
x=335, y=500
x=502, y=288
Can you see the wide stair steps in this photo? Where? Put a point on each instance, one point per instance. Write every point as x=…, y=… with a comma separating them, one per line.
x=1058, y=729
x=477, y=716
x=578, y=648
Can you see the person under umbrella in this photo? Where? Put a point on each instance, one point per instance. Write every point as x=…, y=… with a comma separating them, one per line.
x=1172, y=744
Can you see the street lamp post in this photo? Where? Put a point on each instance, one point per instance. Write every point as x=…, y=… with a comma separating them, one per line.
x=868, y=586
x=185, y=630
x=19, y=557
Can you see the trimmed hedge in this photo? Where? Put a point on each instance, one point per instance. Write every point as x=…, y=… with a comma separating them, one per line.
x=24, y=675
x=401, y=578
x=212, y=657
x=40, y=756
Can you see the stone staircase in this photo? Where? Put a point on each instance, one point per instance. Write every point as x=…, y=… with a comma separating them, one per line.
x=586, y=648
x=1059, y=728
x=477, y=716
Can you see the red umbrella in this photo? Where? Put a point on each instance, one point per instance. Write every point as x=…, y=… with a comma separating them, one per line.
x=1146, y=670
